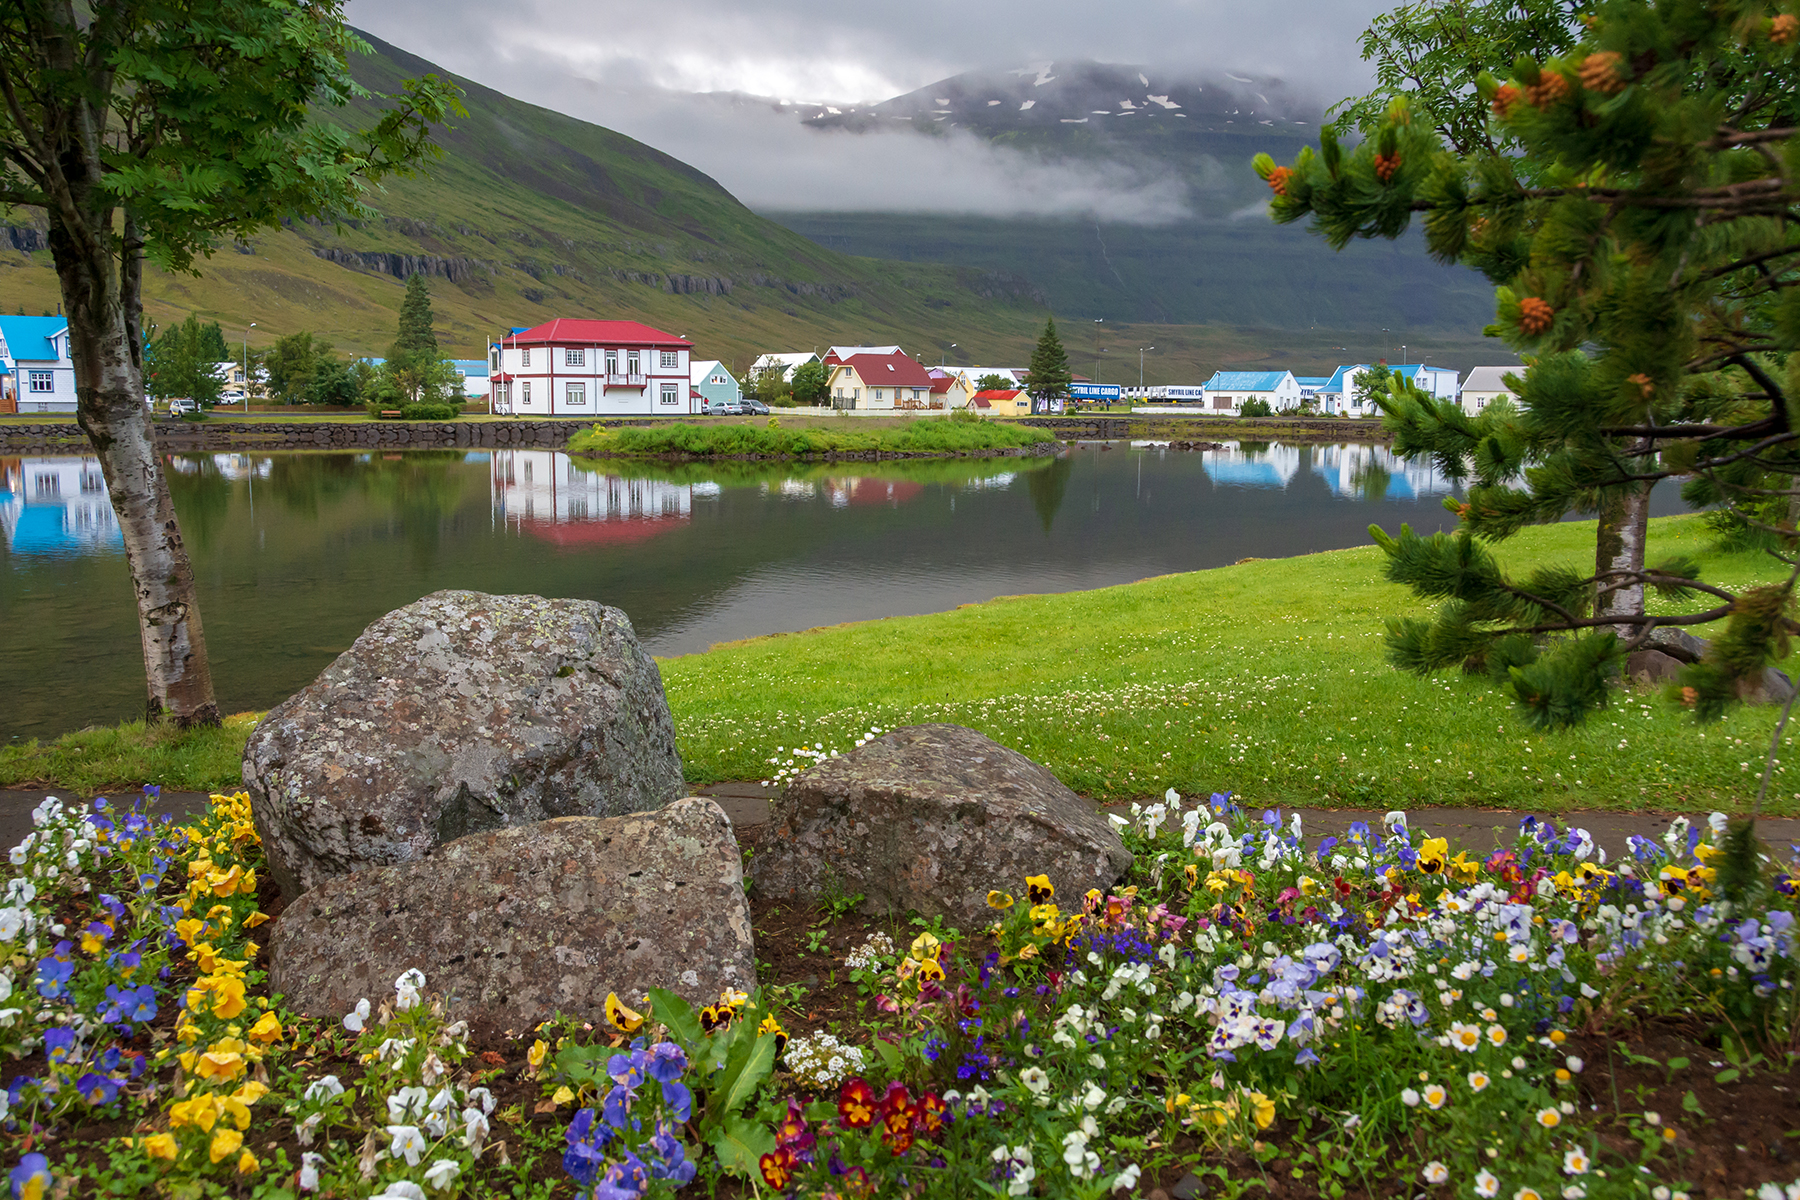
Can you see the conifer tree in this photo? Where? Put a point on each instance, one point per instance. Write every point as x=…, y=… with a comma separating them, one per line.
x=1643, y=229
x=1048, y=377
x=417, y=337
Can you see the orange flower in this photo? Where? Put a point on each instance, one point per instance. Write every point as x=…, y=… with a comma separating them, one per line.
x=777, y=1167
x=931, y=1113
x=1504, y=99
x=1535, y=315
x=856, y=1104
x=1784, y=28
x=1278, y=179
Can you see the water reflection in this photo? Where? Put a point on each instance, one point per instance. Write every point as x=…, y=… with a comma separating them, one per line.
x=1349, y=469
x=56, y=507
x=543, y=493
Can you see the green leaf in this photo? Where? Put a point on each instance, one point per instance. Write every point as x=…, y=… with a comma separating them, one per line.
x=740, y=1144
x=678, y=1015
x=1728, y=1075
x=750, y=1061
x=1679, y=1064
x=891, y=1058
x=1691, y=1103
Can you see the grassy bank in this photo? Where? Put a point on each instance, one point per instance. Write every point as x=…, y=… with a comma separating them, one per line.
x=115, y=758
x=771, y=440
x=1264, y=679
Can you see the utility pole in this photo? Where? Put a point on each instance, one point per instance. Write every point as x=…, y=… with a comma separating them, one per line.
x=1098, y=321
x=247, y=368
x=1141, y=350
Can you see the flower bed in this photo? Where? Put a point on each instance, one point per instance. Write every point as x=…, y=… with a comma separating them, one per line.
x=1376, y=1015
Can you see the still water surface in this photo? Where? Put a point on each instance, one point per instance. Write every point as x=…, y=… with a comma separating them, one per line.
x=297, y=552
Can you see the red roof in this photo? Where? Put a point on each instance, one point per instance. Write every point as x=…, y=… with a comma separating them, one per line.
x=573, y=331
x=941, y=383
x=888, y=370
x=981, y=401
x=999, y=394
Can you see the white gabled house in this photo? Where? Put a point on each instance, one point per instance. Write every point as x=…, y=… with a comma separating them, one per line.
x=880, y=381
x=1339, y=393
x=36, y=373
x=571, y=367
x=1227, y=391
x=1486, y=385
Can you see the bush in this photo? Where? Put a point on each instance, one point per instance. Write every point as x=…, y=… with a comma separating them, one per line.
x=429, y=412
x=1256, y=406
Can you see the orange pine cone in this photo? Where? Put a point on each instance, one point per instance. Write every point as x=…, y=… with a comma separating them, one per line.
x=1386, y=165
x=1504, y=99
x=1550, y=88
x=1278, y=179
x=1784, y=29
x=1535, y=315
x=1600, y=73
x=1644, y=384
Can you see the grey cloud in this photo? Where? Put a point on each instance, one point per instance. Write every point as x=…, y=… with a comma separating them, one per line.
x=636, y=68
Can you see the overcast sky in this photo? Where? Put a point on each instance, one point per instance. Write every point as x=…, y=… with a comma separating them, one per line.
x=633, y=67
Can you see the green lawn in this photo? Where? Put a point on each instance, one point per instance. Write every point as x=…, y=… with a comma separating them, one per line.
x=1264, y=679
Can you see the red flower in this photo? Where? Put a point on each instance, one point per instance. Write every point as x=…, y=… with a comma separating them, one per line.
x=857, y=1104
x=777, y=1167
x=931, y=1113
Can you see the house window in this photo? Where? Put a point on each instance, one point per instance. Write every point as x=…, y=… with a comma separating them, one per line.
x=633, y=366
x=612, y=362
x=43, y=381
x=47, y=485
x=670, y=360
x=92, y=483
x=525, y=357
x=577, y=393
x=574, y=358
x=878, y=393
x=525, y=392
x=668, y=394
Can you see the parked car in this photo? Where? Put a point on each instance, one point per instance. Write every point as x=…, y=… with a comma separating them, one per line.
x=756, y=407
x=182, y=408
x=724, y=408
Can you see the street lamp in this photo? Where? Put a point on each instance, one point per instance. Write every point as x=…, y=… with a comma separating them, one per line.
x=1384, y=344
x=1098, y=321
x=944, y=358
x=247, y=368
x=1141, y=350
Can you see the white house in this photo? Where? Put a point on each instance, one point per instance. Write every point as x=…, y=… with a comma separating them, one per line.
x=36, y=373
x=1227, y=391
x=1339, y=393
x=784, y=362
x=1486, y=385
x=477, y=384
x=572, y=367
x=547, y=494
x=842, y=354
x=1439, y=382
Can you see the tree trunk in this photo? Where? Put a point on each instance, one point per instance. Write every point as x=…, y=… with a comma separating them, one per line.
x=1624, y=527
x=105, y=340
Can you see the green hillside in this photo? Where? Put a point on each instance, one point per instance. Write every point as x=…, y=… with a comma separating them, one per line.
x=532, y=214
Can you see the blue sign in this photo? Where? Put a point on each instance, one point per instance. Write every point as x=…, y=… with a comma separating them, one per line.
x=1095, y=391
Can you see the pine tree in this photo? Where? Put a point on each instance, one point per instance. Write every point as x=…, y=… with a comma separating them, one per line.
x=417, y=339
x=1640, y=228
x=1048, y=378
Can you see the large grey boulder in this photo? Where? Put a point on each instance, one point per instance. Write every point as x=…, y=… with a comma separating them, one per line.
x=929, y=818
x=459, y=713
x=513, y=925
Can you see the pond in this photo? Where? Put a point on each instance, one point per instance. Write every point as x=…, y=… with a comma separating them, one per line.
x=297, y=552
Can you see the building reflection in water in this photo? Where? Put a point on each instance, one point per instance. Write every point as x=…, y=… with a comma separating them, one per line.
x=544, y=494
x=57, y=507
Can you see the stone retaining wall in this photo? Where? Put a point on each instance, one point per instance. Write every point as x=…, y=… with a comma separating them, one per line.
x=313, y=435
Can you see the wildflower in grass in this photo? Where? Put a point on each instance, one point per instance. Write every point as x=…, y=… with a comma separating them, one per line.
x=1465, y=1037
x=1478, y=1081
x=1486, y=1184
x=1409, y=1097
x=1496, y=1035
x=1435, y=1096
x=1435, y=1172
x=1576, y=1161
x=1549, y=1118
x=1527, y=1193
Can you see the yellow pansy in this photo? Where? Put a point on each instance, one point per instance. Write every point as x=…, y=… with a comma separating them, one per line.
x=1039, y=889
x=1262, y=1109
x=561, y=1096
x=999, y=900
x=159, y=1145
x=924, y=946
x=540, y=1048
x=267, y=1028
x=619, y=1017
x=225, y=1143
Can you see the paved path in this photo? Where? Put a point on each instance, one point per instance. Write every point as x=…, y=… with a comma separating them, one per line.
x=748, y=804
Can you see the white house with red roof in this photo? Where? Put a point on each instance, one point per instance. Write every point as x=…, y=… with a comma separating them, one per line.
x=880, y=382
x=572, y=367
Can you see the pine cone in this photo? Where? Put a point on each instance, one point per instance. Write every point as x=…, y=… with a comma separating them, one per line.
x=1478, y=229
x=1550, y=88
x=1386, y=165
x=1645, y=384
x=1278, y=179
x=1600, y=73
x=1535, y=315
x=1784, y=29
x=1504, y=99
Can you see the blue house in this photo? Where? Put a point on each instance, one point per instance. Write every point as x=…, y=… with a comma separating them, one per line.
x=713, y=381
x=36, y=373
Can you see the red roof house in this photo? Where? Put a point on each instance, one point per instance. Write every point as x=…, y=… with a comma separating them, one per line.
x=575, y=367
x=880, y=381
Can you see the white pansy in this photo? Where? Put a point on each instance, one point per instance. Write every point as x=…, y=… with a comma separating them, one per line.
x=442, y=1173
x=357, y=1018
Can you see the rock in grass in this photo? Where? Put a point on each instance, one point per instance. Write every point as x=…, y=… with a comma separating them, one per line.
x=513, y=925
x=459, y=713
x=930, y=818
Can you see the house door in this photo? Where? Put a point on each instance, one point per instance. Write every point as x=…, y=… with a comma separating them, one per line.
x=9, y=399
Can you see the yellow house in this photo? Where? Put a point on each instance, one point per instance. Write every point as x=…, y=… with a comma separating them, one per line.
x=1009, y=403
x=879, y=381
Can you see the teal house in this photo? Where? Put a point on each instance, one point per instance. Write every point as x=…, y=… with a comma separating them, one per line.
x=713, y=381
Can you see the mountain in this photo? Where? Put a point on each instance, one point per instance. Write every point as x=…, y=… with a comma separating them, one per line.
x=531, y=214
x=1221, y=260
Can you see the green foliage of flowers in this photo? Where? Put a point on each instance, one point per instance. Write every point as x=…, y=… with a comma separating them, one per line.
x=200, y=759
x=1265, y=677
x=719, y=440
